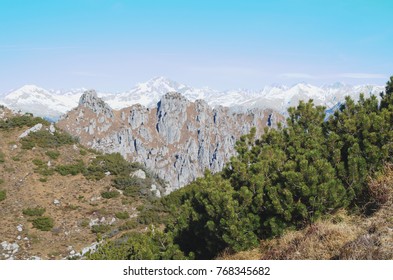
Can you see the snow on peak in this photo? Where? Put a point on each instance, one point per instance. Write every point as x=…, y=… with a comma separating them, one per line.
x=160, y=85
x=42, y=102
x=26, y=91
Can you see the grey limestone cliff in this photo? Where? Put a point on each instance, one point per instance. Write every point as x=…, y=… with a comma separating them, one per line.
x=177, y=140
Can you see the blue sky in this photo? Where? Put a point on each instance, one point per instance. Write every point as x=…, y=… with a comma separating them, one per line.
x=113, y=44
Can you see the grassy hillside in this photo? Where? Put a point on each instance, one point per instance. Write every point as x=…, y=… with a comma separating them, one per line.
x=58, y=197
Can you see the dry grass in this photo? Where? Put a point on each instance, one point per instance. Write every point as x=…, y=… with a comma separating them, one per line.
x=381, y=188
x=377, y=241
x=80, y=201
x=322, y=240
x=254, y=254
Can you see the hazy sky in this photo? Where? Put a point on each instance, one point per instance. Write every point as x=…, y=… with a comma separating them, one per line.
x=113, y=44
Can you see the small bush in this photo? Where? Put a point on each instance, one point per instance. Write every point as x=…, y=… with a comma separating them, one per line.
x=43, y=180
x=132, y=224
x=100, y=228
x=84, y=223
x=94, y=172
x=3, y=195
x=122, y=182
x=72, y=169
x=82, y=152
x=1, y=181
x=21, y=121
x=42, y=168
x=149, y=216
x=53, y=154
x=2, y=157
x=381, y=188
x=45, y=171
x=132, y=191
x=114, y=163
x=38, y=162
x=122, y=215
x=110, y=194
x=139, y=246
x=37, y=211
x=45, y=139
x=43, y=223
x=26, y=145
x=16, y=158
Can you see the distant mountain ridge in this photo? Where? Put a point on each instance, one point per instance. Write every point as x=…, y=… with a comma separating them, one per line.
x=54, y=103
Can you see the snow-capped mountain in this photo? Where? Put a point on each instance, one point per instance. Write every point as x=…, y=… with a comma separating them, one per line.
x=146, y=94
x=38, y=101
x=150, y=92
x=280, y=98
x=54, y=103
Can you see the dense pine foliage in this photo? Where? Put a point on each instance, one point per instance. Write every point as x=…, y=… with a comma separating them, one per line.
x=288, y=178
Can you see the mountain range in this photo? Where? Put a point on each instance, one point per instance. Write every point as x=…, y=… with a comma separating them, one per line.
x=54, y=103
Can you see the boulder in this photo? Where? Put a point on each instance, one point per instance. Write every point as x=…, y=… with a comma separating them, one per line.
x=35, y=128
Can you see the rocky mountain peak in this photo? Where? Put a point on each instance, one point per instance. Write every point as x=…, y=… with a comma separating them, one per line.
x=178, y=139
x=89, y=99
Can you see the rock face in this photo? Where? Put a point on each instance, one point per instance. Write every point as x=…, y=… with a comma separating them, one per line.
x=177, y=140
x=35, y=128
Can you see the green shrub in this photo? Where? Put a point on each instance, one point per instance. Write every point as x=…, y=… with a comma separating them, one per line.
x=110, y=194
x=114, y=163
x=27, y=145
x=100, y=228
x=2, y=157
x=72, y=169
x=155, y=245
x=85, y=223
x=149, y=216
x=82, y=152
x=45, y=139
x=132, y=191
x=37, y=211
x=21, y=121
x=122, y=215
x=122, y=182
x=45, y=171
x=131, y=224
x=1, y=181
x=288, y=178
x=43, y=180
x=38, y=162
x=3, y=195
x=131, y=186
x=94, y=172
x=42, y=168
x=53, y=154
x=43, y=223
x=15, y=158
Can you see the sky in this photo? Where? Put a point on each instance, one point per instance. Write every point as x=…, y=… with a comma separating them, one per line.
x=111, y=45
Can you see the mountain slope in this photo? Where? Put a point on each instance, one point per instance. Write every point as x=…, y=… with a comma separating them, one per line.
x=58, y=198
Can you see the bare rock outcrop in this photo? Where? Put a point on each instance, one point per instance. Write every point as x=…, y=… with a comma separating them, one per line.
x=177, y=140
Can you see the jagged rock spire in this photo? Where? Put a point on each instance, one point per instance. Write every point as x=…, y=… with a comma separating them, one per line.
x=89, y=99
